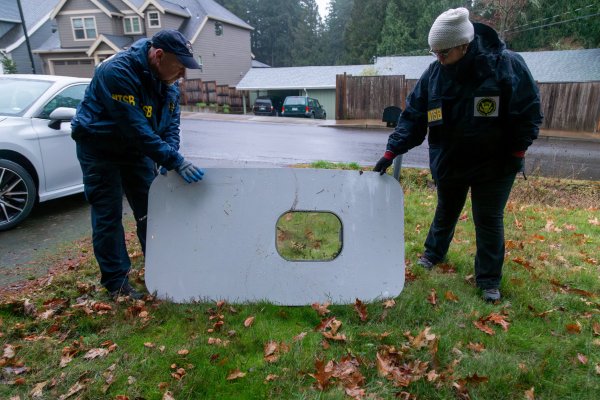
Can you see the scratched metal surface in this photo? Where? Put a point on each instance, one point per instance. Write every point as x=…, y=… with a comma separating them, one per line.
x=216, y=239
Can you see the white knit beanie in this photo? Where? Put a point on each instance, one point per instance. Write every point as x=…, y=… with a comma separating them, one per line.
x=450, y=29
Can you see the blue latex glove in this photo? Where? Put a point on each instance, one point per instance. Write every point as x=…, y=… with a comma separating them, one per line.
x=189, y=172
x=162, y=170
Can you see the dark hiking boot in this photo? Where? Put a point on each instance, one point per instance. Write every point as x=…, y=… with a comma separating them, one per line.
x=491, y=295
x=425, y=263
x=126, y=290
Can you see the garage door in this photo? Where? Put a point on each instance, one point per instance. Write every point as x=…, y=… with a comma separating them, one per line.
x=80, y=68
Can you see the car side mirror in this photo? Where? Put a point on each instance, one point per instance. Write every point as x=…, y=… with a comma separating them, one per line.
x=59, y=115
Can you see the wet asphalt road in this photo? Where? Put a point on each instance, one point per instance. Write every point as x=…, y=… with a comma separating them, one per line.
x=222, y=144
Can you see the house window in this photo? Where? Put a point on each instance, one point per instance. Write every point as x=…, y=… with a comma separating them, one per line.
x=132, y=25
x=153, y=19
x=84, y=28
x=218, y=29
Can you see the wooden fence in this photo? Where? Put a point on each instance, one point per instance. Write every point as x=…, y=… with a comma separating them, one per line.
x=195, y=91
x=571, y=106
x=365, y=97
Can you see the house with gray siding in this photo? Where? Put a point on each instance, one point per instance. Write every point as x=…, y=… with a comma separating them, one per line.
x=320, y=81
x=89, y=31
x=36, y=14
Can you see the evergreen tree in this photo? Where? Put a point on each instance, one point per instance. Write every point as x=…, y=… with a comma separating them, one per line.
x=364, y=31
x=334, y=36
x=8, y=65
x=306, y=46
x=396, y=34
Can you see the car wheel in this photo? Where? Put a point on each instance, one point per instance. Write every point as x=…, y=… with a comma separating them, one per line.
x=312, y=116
x=17, y=194
x=324, y=115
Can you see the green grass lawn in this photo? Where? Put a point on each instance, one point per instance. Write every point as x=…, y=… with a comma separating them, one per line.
x=62, y=338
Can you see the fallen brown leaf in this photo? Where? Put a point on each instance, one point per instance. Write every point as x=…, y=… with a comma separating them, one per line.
x=483, y=327
x=432, y=298
x=476, y=347
x=95, y=353
x=248, y=322
x=299, y=336
x=37, y=390
x=361, y=309
x=574, y=328
x=530, y=394
x=168, y=396
x=450, y=296
x=321, y=309
x=323, y=373
x=235, y=374
x=389, y=303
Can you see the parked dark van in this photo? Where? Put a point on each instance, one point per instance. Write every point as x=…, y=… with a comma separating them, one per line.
x=264, y=106
x=302, y=106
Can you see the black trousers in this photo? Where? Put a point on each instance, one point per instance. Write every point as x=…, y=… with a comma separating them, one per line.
x=109, y=171
x=488, y=201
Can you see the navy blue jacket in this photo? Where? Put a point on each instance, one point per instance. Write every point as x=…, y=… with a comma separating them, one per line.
x=126, y=103
x=477, y=112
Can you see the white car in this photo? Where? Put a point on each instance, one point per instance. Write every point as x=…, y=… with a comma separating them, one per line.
x=37, y=155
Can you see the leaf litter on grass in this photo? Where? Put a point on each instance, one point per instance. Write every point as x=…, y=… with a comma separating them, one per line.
x=57, y=335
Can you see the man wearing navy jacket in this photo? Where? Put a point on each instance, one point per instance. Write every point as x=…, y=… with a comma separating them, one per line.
x=127, y=123
x=480, y=108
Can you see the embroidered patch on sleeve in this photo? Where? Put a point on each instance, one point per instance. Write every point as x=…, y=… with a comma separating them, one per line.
x=486, y=106
x=434, y=115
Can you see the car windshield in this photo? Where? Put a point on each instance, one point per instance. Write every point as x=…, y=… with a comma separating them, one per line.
x=263, y=102
x=19, y=94
x=291, y=101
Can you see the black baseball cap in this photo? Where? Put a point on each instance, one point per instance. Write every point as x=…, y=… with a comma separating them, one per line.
x=173, y=41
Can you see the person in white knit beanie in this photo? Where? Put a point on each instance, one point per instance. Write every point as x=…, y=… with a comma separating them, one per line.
x=450, y=35
x=479, y=108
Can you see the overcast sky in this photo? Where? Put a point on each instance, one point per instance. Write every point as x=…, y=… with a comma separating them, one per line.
x=323, y=7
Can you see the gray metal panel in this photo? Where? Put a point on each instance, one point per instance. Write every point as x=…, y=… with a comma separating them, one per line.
x=216, y=239
x=225, y=58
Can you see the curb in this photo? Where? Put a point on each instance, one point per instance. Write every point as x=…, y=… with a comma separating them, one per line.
x=544, y=133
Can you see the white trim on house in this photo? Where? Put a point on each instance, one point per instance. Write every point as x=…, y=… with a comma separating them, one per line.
x=228, y=22
x=84, y=29
x=102, y=53
x=62, y=3
x=131, y=19
x=58, y=7
x=78, y=12
x=132, y=7
x=162, y=9
x=58, y=51
x=101, y=39
x=20, y=41
x=148, y=19
x=195, y=36
x=156, y=4
x=106, y=10
x=51, y=62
